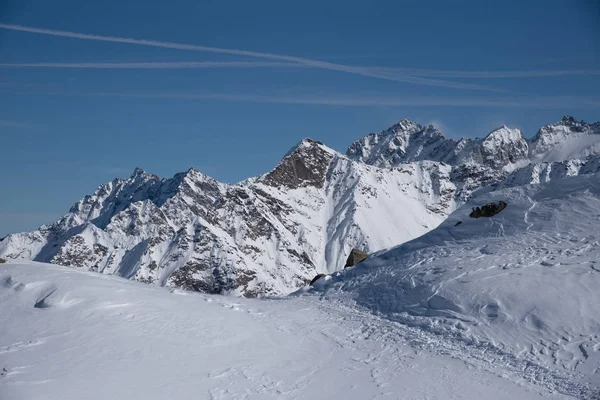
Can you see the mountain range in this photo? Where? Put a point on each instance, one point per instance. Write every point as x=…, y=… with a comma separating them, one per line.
x=272, y=234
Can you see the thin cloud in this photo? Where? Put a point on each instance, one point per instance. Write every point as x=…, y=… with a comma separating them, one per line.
x=559, y=102
x=488, y=74
x=14, y=124
x=156, y=65
x=404, y=72
x=363, y=71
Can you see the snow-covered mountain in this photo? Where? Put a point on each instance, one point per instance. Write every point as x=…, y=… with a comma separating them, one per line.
x=503, y=148
x=273, y=233
x=524, y=284
x=408, y=141
x=504, y=307
x=268, y=235
x=568, y=139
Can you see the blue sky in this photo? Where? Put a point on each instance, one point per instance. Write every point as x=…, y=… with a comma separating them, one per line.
x=90, y=90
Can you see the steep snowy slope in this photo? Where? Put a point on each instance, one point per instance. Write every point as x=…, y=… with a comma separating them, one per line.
x=524, y=283
x=269, y=235
x=273, y=233
x=547, y=171
x=67, y=334
x=504, y=148
x=567, y=139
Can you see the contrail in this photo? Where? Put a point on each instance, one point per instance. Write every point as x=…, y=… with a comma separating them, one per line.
x=340, y=100
x=14, y=124
x=413, y=72
x=306, y=61
x=156, y=65
x=438, y=73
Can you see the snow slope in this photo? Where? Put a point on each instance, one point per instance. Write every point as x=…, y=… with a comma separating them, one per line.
x=273, y=233
x=567, y=139
x=268, y=235
x=68, y=334
x=524, y=284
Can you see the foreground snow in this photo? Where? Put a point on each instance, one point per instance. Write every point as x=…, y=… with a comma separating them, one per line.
x=67, y=334
x=523, y=285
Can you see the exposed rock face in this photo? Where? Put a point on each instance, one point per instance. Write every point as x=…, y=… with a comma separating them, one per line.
x=316, y=278
x=502, y=147
x=547, y=171
x=268, y=235
x=564, y=140
x=273, y=233
x=488, y=210
x=404, y=142
x=304, y=165
x=408, y=142
x=355, y=257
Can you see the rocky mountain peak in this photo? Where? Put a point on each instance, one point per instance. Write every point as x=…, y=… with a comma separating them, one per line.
x=565, y=139
x=568, y=120
x=261, y=237
x=502, y=147
x=404, y=125
x=137, y=172
x=304, y=165
x=406, y=141
x=504, y=136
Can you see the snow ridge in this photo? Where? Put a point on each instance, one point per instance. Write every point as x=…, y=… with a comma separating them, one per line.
x=273, y=233
x=523, y=283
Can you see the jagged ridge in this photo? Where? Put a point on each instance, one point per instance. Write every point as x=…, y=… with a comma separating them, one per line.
x=274, y=233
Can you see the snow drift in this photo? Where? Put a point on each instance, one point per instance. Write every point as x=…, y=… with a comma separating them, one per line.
x=68, y=334
x=525, y=281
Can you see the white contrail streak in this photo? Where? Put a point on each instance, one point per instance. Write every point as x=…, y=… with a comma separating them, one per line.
x=155, y=65
x=364, y=71
x=413, y=72
x=340, y=100
x=438, y=73
x=14, y=124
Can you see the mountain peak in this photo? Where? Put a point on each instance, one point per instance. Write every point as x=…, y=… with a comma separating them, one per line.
x=404, y=125
x=304, y=165
x=137, y=172
x=406, y=141
x=304, y=144
x=505, y=134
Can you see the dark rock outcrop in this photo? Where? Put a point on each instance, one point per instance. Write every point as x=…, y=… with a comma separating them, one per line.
x=305, y=165
x=316, y=278
x=488, y=210
x=355, y=257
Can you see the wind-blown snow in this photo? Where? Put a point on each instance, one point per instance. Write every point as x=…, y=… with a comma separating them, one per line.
x=67, y=334
x=525, y=282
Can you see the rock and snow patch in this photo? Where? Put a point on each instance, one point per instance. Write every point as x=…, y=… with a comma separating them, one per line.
x=525, y=282
x=266, y=236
